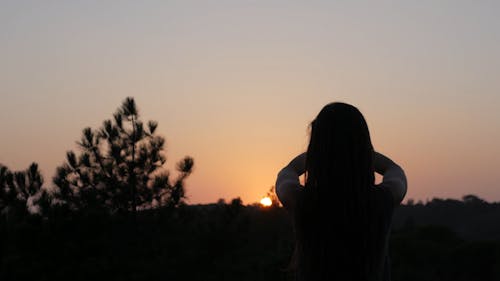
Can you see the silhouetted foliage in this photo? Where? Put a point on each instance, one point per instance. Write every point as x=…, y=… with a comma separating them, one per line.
x=473, y=200
x=19, y=189
x=274, y=198
x=223, y=241
x=120, y=167
x=470, y=218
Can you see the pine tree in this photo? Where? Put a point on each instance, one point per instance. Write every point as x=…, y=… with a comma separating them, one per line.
x=120, y=167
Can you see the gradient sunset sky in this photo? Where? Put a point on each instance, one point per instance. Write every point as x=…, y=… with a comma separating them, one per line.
x=235, y=84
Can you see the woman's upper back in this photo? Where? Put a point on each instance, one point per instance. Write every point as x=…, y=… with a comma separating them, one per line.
x=340, y=258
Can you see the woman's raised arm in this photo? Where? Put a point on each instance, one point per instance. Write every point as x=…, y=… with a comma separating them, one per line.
x=287, y=182
x=394, y=178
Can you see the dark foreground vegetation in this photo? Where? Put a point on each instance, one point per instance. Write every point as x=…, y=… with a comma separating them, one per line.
x=222, y=242
x=112, y=212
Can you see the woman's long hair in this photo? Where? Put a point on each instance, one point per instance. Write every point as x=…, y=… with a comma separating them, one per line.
x=337, y=235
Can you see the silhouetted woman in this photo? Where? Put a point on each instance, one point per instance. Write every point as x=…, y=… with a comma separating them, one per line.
x=341, y=218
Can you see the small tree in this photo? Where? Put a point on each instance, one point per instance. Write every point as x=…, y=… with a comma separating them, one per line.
x=120, y=167
x=274, y=198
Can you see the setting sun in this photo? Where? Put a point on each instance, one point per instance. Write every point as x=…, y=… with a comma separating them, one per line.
x=266, y=202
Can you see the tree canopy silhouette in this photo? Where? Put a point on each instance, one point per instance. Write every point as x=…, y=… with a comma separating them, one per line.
x=120, y=167
x=16, y=188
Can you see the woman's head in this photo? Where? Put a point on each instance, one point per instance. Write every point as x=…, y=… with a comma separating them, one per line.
x=340, y=151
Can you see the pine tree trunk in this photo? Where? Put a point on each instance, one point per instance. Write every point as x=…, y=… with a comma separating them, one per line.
x=132, y=169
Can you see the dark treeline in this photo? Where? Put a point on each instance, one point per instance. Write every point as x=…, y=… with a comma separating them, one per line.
x=112, y=212
x=446, y=239
x=223, y=241
x=471, y=218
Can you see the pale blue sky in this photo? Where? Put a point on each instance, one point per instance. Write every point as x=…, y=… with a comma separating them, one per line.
x=235, y=83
